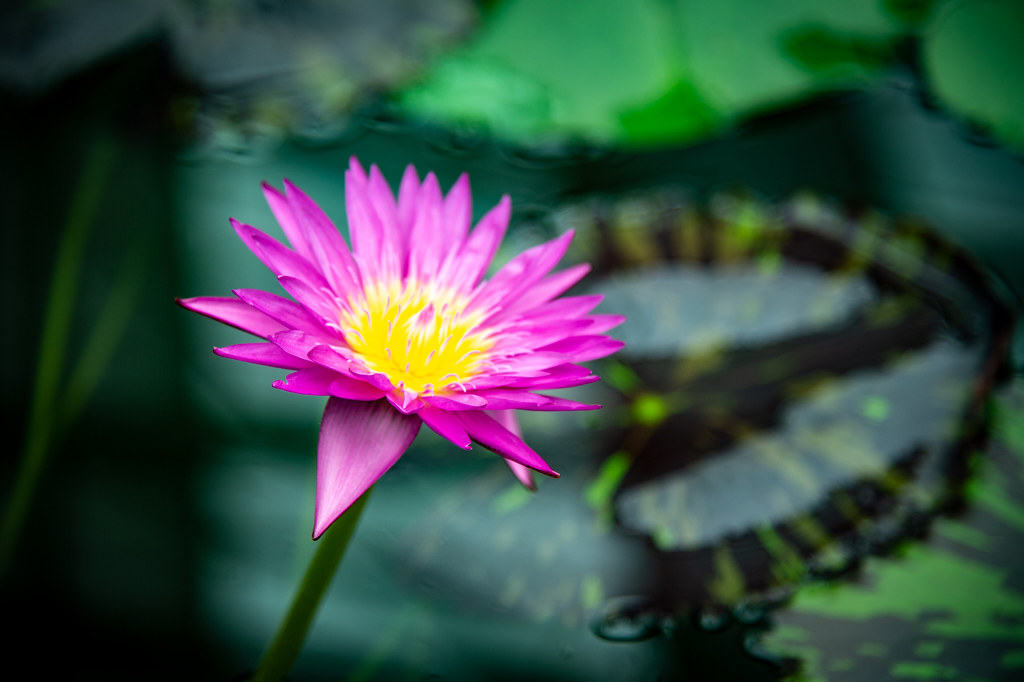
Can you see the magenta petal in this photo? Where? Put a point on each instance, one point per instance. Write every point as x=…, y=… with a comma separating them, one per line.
x=508, y=419
x=359, y=441
x=569, y=307
x=602, y=323
x=446, y=425
x=520, y=339
x=584, y=348
x=507, y=287
x=324, y=244
x=530, y=362
x=354, y=389
x=456, y=401
x=282, y=211
x=311, y=381
x=514, y=400
x=478, y=251
x=288, y=313
x=557, y=404
x=279, y=258
x=547, y=289
x=493, y=436
x=522, y=474
x=457, y=211
x=524, y=400
x=405, y=401
x=266, y=354
x=233, y=312
x=378, y=379
x=320, y=302
x=330, y=357
x=407, y=193
x=560, y=380
x=373, y=225
x=426, y=245
x=298, y=343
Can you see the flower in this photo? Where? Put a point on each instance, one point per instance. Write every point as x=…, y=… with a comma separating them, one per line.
x=403, y=330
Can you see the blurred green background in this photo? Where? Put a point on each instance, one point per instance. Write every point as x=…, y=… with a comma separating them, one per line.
x=162, y=519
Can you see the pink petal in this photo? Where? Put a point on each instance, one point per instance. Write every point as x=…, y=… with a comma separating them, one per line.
x=602, y=323
x=288, y=313
x=498, y=399
x=404, y=400
x=324, y=381
x=456, y=401
x=520, y=274
x=457, y=212
x=373, y=224
x=584, y=348
x=529, y=362
x=493, y=436
x=359, y=441
x=426, y=246
x=311, y=381
x=266, y=354
x=279, y=258
x=524, y=400
x=320, y=302
x=522, y=474
x=544, y=291
x=282, y=211
x=233, y=312
x=298, y=343
x=475, y=256
x=527, y=337
x=560, y=376
x=378, y=379
x=508, y=419
x=444, y=424
x=354, y=389
x=569, y=307
x=557, y=404
x=329, y=356
x=561, y=380
x=541, y=380
x=324, y=244
x=407, y=194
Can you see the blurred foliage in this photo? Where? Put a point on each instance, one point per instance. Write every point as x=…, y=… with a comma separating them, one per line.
x=912, y=13
x=647, y=72
x=634, y=73
x=973, y=57
x=650, y=72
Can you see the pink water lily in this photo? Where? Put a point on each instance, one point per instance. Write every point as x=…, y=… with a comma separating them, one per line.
x=402, y=329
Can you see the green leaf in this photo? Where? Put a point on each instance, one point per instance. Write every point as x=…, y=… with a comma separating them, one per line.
x=973, y=56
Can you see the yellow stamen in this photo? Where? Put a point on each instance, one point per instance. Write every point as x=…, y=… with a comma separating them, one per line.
x=417, y=336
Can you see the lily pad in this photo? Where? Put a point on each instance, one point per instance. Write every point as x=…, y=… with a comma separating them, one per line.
x=801, y=387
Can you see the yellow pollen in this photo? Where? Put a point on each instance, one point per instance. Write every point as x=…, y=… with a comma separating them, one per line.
x=419, y=337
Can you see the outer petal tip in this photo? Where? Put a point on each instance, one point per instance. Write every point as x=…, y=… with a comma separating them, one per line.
x=359, y=441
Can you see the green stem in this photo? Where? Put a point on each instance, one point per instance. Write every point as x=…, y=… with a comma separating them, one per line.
x=285, y=648
x=53, y=344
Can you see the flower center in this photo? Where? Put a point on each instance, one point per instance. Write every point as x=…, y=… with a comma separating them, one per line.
x=420, y=338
